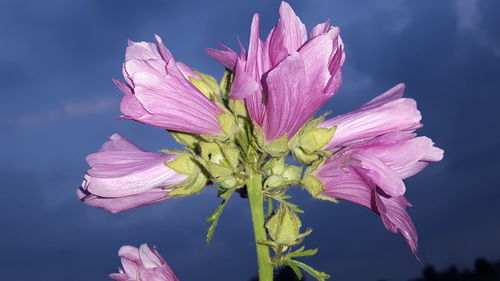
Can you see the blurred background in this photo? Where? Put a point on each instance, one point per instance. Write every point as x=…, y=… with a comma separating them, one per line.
x=57, y=59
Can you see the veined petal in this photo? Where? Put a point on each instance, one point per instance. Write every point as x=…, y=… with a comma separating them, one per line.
x=288, y=35
x=142, y=51
x=320, y=29
x=227, y=57
x=316, y=55
x=384, y=114
x=285, y=98
x=376, y=173
x=341, y=180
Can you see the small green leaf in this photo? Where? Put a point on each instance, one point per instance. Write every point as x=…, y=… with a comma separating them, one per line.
x=320, y=276
x=215, y=216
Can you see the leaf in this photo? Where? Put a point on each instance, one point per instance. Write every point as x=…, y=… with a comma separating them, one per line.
x=320, y=276
x=214, y=217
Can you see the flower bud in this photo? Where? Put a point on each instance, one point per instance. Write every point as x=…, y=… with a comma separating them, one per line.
x=284, y=226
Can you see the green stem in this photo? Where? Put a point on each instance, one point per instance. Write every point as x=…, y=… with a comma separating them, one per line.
x=255, y=197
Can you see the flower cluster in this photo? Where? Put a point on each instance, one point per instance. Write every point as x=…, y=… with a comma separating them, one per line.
x=239, y=133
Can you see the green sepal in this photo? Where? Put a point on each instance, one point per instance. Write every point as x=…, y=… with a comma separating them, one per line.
x=303, y=157
x=278, y=147
x=207, y=84
x=284, y=226
x=315, y=139
x=218, y=171
x=228, y=124
x=315, y=187
x=192, y=185
x=183, y=164
x=186, y=139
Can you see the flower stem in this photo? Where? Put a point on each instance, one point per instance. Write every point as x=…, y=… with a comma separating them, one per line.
x=254, y=189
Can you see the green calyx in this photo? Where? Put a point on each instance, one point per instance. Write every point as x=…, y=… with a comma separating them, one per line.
x=315, y=187
x=277, y=148
x=196, y=181
x=307, y=145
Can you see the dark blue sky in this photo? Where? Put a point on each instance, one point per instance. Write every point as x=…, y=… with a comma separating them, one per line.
x=57, y=59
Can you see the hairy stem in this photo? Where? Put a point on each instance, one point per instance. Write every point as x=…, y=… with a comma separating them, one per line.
x=255, y=197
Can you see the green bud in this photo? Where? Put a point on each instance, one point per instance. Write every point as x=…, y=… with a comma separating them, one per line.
x=303, y=157
x=206, y=84
x=227, y=124
x=211, y=152
x=284, y=226
x=292, y=173
x=275, y=181
x=238, y=107
x=218, y=170
x=232, y=155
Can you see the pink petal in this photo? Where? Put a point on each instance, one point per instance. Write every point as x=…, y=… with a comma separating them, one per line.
x=382, y=115
x=286, y=97
x=118, y=143
x=320, y=29
x=227, y=57
x=243, y=84
x=119, y=204
x=288, y=36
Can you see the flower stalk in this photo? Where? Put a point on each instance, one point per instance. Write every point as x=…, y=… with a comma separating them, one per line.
x=256, y=199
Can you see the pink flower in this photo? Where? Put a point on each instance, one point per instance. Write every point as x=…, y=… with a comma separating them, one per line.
x=287, y=78
x=386, y=113
x=160, y=94
x=143, y=264
x=370, y=173
x=123, y=176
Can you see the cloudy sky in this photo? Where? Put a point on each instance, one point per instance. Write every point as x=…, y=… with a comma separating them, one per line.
x=58, y=103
